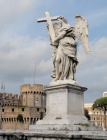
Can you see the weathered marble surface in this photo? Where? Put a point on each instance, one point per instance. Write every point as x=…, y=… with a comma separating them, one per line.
x=64, y=109
x=53, y=135
x=64, y=40
x=61, y=82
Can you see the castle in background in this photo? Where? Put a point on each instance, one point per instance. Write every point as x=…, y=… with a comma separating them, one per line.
x=30, y=104
x=97, y=116
x=33, y=95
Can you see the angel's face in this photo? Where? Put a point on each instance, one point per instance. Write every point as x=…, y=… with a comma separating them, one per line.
x=77, y=19
x=60, y=21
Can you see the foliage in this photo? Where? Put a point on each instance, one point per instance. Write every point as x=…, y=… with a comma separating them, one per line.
x=101, y=104
x=83, y=124
x=86, y=113
x=20, y=118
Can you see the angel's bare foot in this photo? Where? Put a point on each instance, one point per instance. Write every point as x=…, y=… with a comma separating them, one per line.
x=57, y=78
x=61, y=78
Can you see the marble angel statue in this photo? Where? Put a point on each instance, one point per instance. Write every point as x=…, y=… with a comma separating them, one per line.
x=64, y=39
x=65, y=54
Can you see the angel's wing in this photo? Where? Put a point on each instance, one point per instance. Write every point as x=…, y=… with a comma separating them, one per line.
x=81, y=31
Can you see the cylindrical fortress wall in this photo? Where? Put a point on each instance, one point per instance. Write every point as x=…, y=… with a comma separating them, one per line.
x=32, y=95
x=29, y=88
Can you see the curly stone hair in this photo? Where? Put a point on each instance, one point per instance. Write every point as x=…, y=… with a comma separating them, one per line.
x=62, y=18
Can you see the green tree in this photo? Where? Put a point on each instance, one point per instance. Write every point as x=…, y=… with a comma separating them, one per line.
x=20, y=118
x=101, y=104
x=86, y=113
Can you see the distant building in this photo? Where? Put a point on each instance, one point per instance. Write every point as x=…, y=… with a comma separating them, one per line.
x=96, y=116
x=105, y=94
x=33, y=95
x=30, y=116
x=9, y=99
x=31, y=104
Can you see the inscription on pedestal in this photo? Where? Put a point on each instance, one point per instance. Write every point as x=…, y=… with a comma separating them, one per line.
x=65, y=100
x=57, y=103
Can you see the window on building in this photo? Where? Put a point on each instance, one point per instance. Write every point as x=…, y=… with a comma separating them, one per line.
x=23, y=109
x=12, y=109
x=94, y=118
x=37, y=109
x=41, y=115
x=27, y=119
x=2, y=110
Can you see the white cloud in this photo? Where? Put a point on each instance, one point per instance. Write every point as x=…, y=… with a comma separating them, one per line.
x=19, y=54
x=98, y=14
x=12, y=10
x=97, y=55
x=45, y=66
x=97, y=18
x=92, y=69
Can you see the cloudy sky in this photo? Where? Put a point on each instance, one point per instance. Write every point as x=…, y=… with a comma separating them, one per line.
x=25, y=49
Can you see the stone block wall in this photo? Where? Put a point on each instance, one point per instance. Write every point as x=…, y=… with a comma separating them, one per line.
x=53, y=135
x=30, y=116
x=33, y=95
x=8, y=99
x=15, y=126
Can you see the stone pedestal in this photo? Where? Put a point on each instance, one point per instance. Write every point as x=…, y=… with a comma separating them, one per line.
x=64, y=109
x=64, y=100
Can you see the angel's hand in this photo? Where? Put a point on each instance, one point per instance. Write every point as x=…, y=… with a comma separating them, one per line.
x=53, y=43
x=55, y=40
x=75, y=43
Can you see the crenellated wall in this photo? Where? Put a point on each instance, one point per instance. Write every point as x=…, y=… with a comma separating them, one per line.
x=29, y=88
x=30, y=116
x=31, y=103
x=33, y=95
x=9, y=99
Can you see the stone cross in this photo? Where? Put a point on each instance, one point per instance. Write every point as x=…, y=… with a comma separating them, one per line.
x=49, y=20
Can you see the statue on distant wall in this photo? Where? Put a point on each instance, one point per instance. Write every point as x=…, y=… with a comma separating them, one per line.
x=64, y=39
